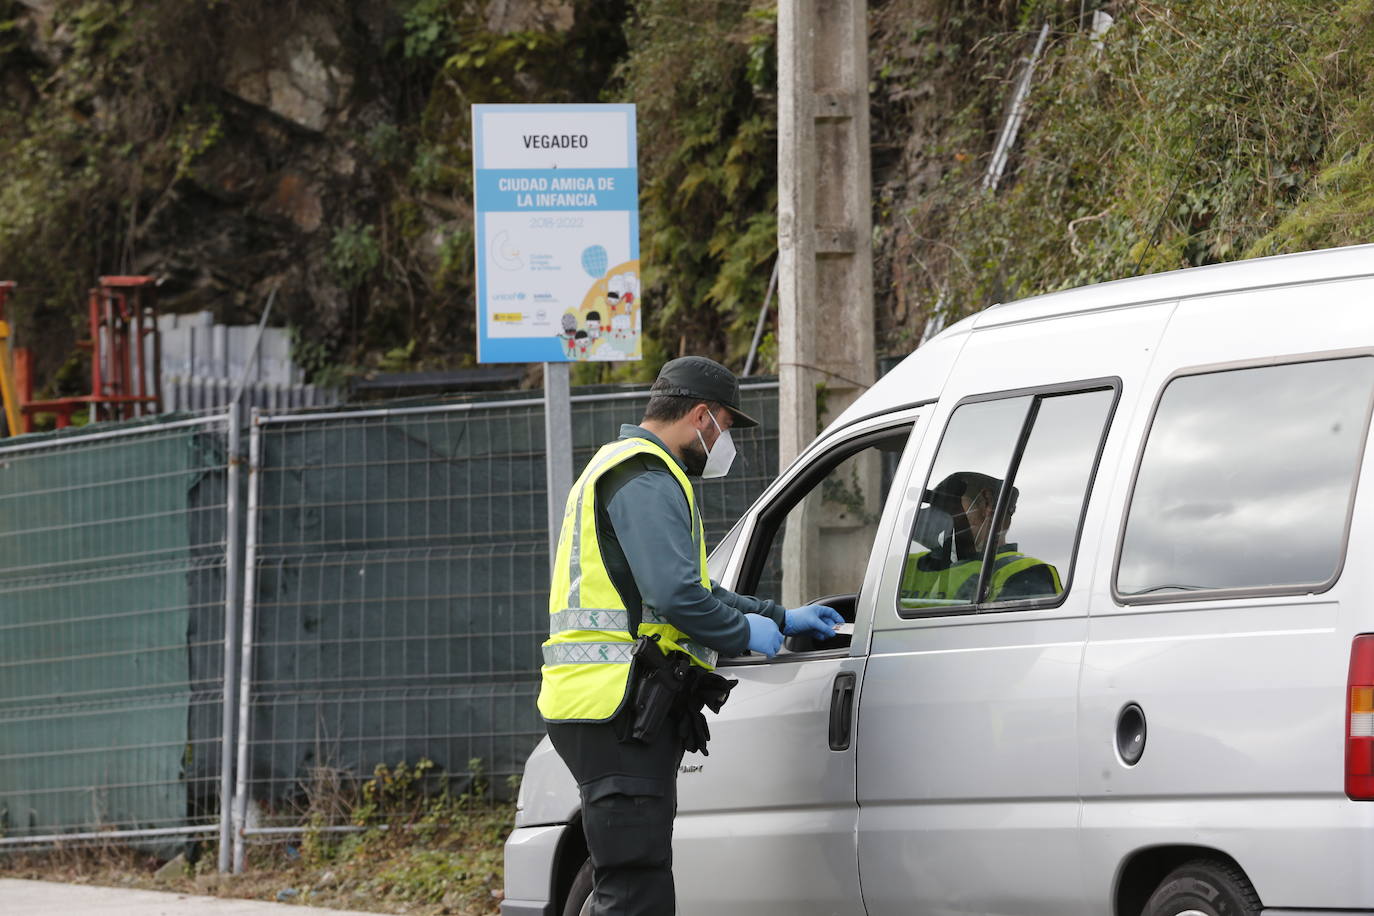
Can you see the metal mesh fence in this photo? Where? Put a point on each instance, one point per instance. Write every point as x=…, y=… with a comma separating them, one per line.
x=401, y=578
x=398, y=559
x=395, y=601
x=112, y=565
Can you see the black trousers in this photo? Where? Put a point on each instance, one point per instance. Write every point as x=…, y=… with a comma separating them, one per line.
x=629, y=800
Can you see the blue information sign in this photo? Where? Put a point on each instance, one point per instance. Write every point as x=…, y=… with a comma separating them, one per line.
x=557, y=233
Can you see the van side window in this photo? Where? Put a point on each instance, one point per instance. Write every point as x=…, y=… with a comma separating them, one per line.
x=999, y=518
x=814, y=540
x=1246, y=480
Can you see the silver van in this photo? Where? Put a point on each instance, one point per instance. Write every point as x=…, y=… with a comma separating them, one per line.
x=1154, y=695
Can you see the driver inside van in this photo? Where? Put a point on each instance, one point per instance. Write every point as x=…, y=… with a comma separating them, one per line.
x=959, y=519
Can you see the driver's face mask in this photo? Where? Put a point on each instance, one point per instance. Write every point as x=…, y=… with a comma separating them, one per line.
x=720, y=456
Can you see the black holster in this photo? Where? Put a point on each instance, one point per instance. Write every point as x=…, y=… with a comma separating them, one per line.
x=657, y=680
x=670, y=686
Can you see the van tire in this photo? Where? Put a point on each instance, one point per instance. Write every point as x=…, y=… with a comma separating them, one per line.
x=580, y=893
x=1206, y=886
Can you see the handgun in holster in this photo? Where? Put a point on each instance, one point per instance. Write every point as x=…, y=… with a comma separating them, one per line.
x=659, y=680
x=665, y=684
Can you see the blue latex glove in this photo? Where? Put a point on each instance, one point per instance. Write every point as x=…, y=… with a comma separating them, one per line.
x=815, y=620
x=764, y=635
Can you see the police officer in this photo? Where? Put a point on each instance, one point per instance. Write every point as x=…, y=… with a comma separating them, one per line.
x=631, y=562
x=950, y=574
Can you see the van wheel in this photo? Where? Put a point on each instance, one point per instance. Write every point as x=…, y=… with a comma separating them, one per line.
x=579, y=902
x=1204, y=887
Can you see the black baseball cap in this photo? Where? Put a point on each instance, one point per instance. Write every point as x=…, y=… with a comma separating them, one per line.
x=699, y=377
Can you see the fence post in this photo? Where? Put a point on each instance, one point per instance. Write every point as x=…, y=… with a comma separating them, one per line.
x=231, y=618
x=250, y=571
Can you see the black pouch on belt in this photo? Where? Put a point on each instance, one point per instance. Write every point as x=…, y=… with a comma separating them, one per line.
x=658, y=681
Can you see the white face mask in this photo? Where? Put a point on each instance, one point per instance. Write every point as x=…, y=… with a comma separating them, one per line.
x=721, y=455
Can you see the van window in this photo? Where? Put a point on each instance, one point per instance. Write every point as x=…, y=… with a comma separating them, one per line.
x=1246, y=480
x=1000, y=515
x=823, y=527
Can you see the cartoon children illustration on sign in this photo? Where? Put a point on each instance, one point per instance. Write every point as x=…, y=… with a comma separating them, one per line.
x=607, y=324
x=569, y=324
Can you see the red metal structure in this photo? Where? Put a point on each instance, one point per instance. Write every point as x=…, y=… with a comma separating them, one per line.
x=126, y=356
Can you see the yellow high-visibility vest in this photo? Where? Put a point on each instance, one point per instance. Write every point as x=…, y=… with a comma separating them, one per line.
x=956, y=583
x=587, y=655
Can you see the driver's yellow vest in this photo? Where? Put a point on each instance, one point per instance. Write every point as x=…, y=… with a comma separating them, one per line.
x=958, y=581
x=586, y=669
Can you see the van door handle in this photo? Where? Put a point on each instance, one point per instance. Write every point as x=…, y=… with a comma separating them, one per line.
x=842, y=711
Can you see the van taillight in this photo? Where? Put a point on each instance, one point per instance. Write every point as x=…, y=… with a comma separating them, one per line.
x=1359, y=703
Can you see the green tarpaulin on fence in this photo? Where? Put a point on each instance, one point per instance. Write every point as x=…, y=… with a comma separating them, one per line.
x=106, y=547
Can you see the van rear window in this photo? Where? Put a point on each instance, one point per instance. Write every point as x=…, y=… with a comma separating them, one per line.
x=1246, y=481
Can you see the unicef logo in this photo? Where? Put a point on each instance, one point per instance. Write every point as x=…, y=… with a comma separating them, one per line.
x=595, y=261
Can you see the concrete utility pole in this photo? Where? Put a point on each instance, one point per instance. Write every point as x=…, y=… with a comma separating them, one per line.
x=825, y=244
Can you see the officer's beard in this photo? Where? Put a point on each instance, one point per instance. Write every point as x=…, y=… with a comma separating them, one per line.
x=694, y=456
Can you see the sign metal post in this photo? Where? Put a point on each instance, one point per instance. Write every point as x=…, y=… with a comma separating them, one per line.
x=557, y=429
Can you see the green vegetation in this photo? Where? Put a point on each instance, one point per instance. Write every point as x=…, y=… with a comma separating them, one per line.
x=1338, y=206
x=420, y=843
x=354, y=254
x=417, y=848
x=703, y=76
x=130, y=147
x=1191, y=133
x=419, y=299
x=137, y=138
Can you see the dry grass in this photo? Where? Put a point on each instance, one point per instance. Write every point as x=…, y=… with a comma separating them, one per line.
x=449, y=865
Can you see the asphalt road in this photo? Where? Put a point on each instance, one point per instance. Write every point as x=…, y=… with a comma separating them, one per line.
x=22, y=898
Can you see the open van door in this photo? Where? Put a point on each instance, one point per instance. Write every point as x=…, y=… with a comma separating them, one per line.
x=766, y=822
